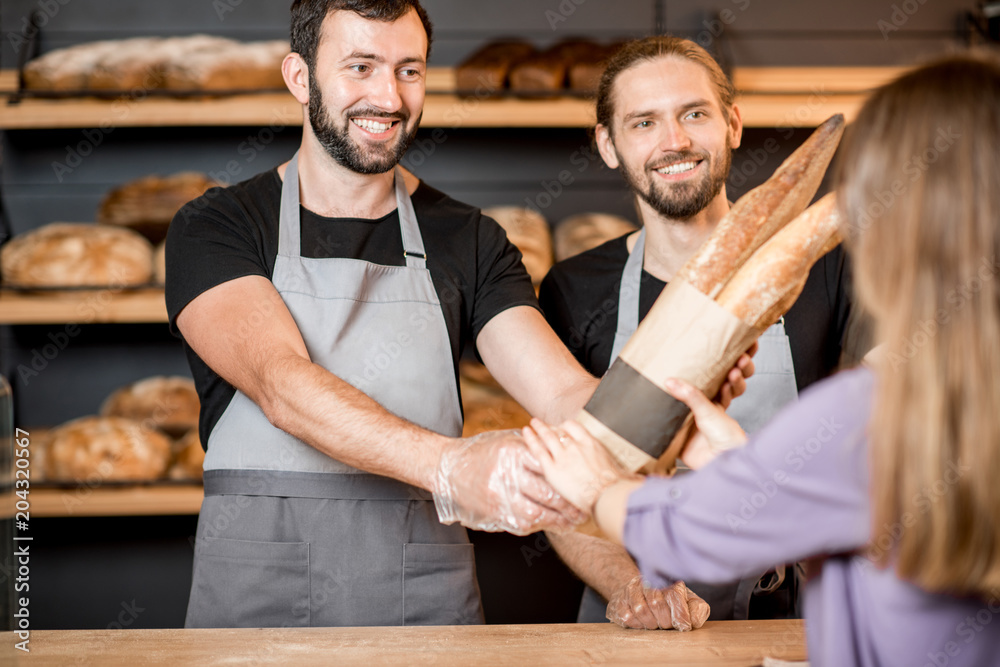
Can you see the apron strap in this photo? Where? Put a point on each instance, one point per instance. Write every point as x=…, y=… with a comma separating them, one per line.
x=628, y=297
x=413, y=242
x=289, y=229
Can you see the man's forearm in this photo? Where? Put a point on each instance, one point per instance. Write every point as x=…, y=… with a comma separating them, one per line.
x=603, y=566
x=322, y=410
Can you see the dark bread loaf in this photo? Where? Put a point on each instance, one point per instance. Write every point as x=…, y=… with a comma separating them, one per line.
x=486, y=70
x=548, y=71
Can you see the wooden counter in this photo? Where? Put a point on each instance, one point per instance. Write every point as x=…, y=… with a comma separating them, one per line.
x=718, y=643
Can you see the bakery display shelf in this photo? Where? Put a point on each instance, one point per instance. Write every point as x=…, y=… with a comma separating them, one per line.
x=154, y=499
x=83, y=307
x=770, y=97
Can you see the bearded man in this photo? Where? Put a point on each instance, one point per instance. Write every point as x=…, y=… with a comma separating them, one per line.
x=667, y=119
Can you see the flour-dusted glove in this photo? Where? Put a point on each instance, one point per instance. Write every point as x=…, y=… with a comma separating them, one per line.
x=637, y=606
x=491, y=482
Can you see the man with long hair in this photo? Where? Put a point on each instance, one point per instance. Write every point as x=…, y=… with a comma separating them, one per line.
x=668, y=121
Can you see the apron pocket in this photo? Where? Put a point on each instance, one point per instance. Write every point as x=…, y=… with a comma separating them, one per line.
x=245, y=584
x=439, y=585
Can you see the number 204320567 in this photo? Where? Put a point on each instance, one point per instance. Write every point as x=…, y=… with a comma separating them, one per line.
x=22, y=473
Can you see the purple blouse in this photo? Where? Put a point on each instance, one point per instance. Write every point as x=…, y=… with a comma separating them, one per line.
x=799, y=490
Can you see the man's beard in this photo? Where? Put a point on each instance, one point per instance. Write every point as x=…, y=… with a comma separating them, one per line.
x=338, y=143
x=680, y=201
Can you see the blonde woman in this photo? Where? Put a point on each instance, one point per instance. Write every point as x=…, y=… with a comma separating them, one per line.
x=885, y=478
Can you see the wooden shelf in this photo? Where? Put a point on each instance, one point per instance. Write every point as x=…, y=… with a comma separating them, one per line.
x=772, y=97
x=84, y=307
x=117, y=500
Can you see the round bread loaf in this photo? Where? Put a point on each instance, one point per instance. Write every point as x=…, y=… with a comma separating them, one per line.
x=529, y=231
x=65, y=254
x=106, y=449
x=580, y=233
x=167, y=403
x=147, y=205
x=188, y=457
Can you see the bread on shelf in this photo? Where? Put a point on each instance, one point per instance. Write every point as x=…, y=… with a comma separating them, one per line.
x=147, y=205
x=187, y=458
x=548, y=71
x=529, y=231
x=167, y=403
x=140, y=64
x=105, y=449
x=485, y=71
x=582, y=232
x=64, y=254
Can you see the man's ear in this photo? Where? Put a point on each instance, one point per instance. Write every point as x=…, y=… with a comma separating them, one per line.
x=735, y=126
x=296, y=75
x=605, y=145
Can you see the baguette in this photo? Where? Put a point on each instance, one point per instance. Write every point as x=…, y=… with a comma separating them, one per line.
x=763, y=211
x=770, y=281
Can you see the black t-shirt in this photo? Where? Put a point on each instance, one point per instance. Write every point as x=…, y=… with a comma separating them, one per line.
x=580, y=300
x=233, y=232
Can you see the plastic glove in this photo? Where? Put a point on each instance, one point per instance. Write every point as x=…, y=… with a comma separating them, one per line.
x=637, y=606
x=491, y=482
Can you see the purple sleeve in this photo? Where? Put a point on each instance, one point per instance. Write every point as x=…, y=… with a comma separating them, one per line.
x=799, y=488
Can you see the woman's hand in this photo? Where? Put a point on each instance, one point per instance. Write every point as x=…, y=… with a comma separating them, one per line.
x=577, y=466
x=714, y=431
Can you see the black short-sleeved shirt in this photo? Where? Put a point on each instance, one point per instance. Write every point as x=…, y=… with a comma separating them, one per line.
x=233, y=232
x=580, y=300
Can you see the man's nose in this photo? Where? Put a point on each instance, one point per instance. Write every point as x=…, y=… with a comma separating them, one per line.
x=385, y=95
x=674, y=137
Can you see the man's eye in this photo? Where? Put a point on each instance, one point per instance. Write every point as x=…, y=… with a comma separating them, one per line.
x=361, y=69
x=644, y=123
x=410, y=73
x=696, y=115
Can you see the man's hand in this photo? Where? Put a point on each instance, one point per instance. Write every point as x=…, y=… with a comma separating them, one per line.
x=635, y=606
x=736, y=380
x=491, y=482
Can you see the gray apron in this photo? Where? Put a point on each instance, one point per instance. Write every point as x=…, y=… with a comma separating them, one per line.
x=771, y=388
x=288, y=536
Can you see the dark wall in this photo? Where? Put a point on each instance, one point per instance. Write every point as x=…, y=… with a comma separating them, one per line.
x=761, y=32
x=89, y=571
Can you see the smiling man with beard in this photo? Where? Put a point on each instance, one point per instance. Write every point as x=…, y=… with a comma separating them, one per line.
x=324, y=305
x=667, y=120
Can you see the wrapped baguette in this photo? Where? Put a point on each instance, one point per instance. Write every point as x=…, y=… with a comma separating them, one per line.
x=689, y=335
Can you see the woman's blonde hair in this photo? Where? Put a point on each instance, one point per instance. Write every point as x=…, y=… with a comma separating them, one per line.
x=919, y=189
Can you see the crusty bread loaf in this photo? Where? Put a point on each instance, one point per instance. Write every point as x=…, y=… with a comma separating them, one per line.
x=234, y=66
x=529, y=231
x=66, y=254
x=188, y=458
x=167, y=403
x=189, y=63
x=762, y=211
x=580, y=233
x=100, y=449
x=132, y=65
x=68, y=68
x=485, y=71
x=147, y=205
x=771, y=280
x=548, y=71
